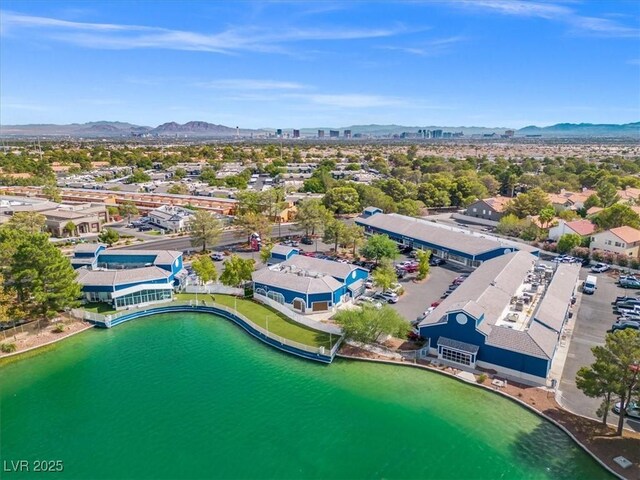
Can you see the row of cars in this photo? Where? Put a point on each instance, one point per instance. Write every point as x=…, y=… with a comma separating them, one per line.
x=570, y=259
x=627, y=308
x=455, y=284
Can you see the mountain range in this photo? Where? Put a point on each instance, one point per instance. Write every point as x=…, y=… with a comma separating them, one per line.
x=210, y=130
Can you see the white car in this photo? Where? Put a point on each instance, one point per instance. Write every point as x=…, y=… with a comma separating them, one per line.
x=368, y=283
x=388, y=297
x=600, y=267
x=632, y=410
x=368, y=301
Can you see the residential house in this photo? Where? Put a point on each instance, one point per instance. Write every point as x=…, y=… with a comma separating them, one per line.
x=492, y=208
x=623, y=240
x=584, y=228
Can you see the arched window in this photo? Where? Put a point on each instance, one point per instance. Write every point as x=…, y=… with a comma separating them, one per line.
x=278, y=297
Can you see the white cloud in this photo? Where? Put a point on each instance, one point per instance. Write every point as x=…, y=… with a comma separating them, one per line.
x=431, y=48
x=113, y=36
x=555, y=12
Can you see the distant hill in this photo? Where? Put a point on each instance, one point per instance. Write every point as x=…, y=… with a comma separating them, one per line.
x=203, y=129
x=584, y=130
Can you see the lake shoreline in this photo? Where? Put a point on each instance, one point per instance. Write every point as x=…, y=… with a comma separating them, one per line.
x=582, y=430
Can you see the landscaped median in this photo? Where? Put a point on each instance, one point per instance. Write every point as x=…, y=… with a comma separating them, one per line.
x=269, y=319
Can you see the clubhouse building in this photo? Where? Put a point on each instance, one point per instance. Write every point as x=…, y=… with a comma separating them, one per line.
x=507, y=318
x=451, y=243
x=309, y=285
x=127, y=278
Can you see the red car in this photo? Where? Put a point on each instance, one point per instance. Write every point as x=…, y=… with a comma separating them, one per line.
x=435, y=304
x=410, y=268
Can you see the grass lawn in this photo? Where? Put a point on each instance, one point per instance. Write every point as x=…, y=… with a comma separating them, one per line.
x=98, y=307
x=278, y=323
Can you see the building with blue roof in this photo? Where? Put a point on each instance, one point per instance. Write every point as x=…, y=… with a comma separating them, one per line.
x=126, y=278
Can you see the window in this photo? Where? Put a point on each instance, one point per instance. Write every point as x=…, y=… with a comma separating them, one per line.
x=607, y=242
x=475, y=209
x=618, y=244
x=278, y=297
x=455, y=356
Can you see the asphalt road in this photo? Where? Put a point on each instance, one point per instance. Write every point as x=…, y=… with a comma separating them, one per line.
x=227, y=238
x=594, y=318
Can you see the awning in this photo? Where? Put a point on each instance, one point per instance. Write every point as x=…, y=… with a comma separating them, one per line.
x=356, y=286
x=457, y=345
x=140, y=288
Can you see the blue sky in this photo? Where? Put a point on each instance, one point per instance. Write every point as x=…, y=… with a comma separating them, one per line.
x=304, y=64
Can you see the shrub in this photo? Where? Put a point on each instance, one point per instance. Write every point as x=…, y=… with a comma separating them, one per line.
x=580, y=252
x=8, y=347
x=597, y=256
x=481, y=378
x=609, y=258
x=622, y=260
x=59, y=328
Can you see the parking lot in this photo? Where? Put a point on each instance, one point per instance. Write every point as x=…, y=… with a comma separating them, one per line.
x=594, y=317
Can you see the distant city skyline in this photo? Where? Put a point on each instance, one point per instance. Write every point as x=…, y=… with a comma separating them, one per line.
x=490, y=63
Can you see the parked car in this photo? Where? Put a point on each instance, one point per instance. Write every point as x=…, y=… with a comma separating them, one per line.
x=401, y=272
x=634, y=317
x=409, y=268
x=388, y=297
x=630, y=283
x=144, y=228
x=628, y=303
x=623, y=298
x=405, y=249
x=412, y=254
x=632, y=410
x=435, y=261
x=306, y=241
x=368, y=283
x=600, y=267
x=362, y=300
x=217, y=256
x=630, y=310
x=624, y=324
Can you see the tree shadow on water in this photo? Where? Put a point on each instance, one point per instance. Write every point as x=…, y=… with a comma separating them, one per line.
x=547, y=449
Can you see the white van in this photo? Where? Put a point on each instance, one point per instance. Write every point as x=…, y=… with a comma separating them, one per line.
x=590, y=285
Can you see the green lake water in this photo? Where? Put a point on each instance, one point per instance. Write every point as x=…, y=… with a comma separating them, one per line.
x=193, y=396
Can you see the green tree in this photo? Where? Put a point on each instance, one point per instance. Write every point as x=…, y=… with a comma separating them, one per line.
x=617, y=215
x=70, y=228
x=249, y=223
x=607, y=193
x=342, y=200
x=592, y=201
x=179, y=173
x=138, y=176
x=568, y=242
x=43, y=277
x=204, y=267
x=127, y=209
x=530, y=203
x=547, y=214
x=612, y=373
x=28, y=222
x=178, y=189
x=7, y=301
x=511, y=225
x=366, y=325
x=384, y=276
x=423, y=257
x=108, y=236
x=52, y=193
x=380, y=247
x=237, y=270
x=205, y=229
x=265, y=252
x=334, y=232
x=353, y=237
x=411, y=208
x=311, y=216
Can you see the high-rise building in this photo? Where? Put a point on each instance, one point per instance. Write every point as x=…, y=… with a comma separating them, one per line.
x=279, y=132
x=436, y=133
x=320, y=133
x=347, y=134
x=334, y=133
x=296, y=134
